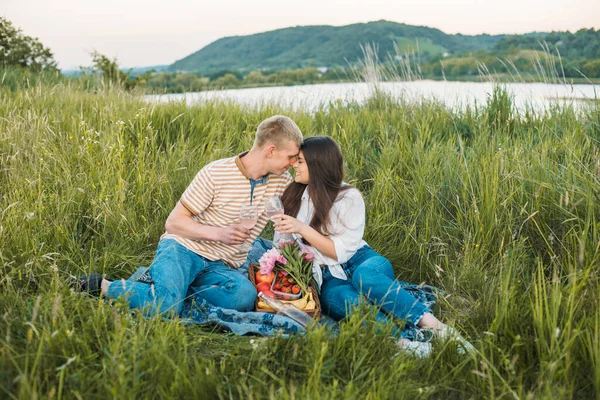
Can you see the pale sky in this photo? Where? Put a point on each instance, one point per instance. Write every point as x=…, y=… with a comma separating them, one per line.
x=151, y=32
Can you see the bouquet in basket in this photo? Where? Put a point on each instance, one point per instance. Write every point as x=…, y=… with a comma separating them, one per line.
x=285, y=271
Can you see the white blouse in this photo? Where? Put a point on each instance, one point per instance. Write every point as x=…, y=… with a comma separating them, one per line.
x=346, y=227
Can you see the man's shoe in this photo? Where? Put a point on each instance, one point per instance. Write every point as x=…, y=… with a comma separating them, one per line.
x=90, y=283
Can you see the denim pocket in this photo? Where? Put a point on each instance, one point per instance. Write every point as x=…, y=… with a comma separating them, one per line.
x=348, y=270
x=326, y=273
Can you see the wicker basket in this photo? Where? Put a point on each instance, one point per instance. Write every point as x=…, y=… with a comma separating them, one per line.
x=312, y=308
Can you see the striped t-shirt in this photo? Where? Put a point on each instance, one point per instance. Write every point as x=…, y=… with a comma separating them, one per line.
x=215, y=198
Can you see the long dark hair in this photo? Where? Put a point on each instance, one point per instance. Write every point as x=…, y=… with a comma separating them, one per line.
x=325, y=164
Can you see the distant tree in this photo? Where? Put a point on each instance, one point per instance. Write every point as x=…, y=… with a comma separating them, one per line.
x=227, y=80
x=219, y=74
x=17, y=49
x=111, y=72
x=571, y=46
x=109, y=68
x=254, y=78
x=518, y=42
x=572, y=68
x=190, y=83
x=307, y=75
x=334, y=74
x=591, y=69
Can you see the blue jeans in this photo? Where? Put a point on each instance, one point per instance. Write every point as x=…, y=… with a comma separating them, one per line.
x=372, y=276
x=179, y=273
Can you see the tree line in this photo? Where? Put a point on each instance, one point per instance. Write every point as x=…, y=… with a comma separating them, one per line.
x=179, y=82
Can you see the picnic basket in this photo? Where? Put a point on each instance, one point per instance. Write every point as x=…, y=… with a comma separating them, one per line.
x=309, y=303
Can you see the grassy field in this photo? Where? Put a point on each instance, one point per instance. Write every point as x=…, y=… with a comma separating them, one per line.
x=499, y=209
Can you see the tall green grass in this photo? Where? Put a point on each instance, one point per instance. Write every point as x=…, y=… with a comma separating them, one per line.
x=496, y=207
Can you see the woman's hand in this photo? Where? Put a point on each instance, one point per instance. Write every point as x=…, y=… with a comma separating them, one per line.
x=316, y=239
x=288, y=224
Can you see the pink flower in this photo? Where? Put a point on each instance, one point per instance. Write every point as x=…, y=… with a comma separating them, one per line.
x=308, y=255
x=284, y=243
x=269, y=259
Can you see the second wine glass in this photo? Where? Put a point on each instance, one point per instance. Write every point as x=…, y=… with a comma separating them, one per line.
x=273, y=206
x=248, y=218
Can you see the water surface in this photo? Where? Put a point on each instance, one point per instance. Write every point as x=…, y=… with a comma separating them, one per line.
x=538, y=96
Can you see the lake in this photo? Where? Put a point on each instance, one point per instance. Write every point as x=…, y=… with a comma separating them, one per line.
x=454, y=94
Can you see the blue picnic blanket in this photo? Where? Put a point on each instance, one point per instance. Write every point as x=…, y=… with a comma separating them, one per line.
x=199, y=311
x=240, y=323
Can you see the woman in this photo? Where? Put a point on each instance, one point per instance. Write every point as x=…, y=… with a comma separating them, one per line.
x=329, y=215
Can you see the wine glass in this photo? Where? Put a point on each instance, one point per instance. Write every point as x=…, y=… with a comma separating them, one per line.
x=273, y=206
x=248, y=218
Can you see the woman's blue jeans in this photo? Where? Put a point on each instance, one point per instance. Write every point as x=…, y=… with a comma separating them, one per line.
x=179, y=273
x=372, y=276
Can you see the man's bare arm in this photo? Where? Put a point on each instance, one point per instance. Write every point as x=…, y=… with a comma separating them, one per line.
x=180, y=223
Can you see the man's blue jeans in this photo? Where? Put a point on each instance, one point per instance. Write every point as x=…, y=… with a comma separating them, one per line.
x=179, y=273
x=370, y=275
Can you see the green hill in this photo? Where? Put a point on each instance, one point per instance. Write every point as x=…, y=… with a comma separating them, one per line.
x=316, y=46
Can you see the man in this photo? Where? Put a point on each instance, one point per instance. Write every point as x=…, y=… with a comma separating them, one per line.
x=203, y=238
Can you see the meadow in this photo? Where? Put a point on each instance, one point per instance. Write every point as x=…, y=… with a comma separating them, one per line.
x=498, y=208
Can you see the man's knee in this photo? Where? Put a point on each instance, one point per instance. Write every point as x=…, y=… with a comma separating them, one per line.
x=244, y=295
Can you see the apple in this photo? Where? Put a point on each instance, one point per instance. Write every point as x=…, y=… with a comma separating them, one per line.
x=263, y=287
x=268, y=278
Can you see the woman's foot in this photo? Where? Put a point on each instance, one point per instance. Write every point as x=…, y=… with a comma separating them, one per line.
x=429, y=321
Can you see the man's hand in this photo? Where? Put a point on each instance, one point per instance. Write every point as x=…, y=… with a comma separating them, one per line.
x=234, y=234
x=181, y=223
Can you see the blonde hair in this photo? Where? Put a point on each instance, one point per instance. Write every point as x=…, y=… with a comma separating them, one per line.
x=277, y=130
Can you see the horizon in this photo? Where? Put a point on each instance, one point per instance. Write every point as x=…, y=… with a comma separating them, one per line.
x=142, y=34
